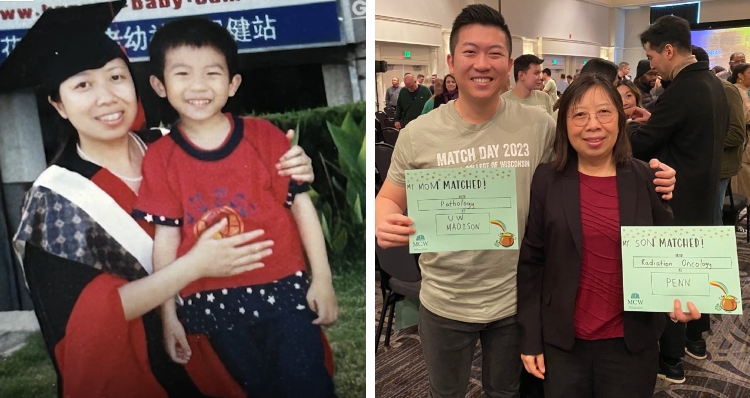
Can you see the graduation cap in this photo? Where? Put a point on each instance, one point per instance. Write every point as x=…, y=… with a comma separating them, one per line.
x=62, y=42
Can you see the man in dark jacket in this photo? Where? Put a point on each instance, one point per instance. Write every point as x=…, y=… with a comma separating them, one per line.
x=686, y=130
x=411, y=100
x=734, y=141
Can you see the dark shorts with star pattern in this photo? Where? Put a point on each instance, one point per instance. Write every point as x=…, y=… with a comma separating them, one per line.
x=264, y=336
x=225, y=309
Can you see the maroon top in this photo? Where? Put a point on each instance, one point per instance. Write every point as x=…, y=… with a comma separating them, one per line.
x=599, y=305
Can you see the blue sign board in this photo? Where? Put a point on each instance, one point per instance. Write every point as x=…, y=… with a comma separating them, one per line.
x=294, y=26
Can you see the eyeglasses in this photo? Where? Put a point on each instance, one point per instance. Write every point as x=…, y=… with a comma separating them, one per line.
x=581, y=119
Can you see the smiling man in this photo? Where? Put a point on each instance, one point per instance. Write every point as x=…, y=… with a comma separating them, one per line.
x=469, y=295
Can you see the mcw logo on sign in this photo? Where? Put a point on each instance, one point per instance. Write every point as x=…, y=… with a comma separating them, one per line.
x=635, y=300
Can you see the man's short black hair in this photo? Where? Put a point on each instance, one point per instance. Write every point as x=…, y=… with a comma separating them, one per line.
x=420, y=75
x=668, y=30
x=602, y=67
x=562, y=76
x=479, y=14
x=700, y=54
x=192, y=32
x=523, y=63
x=569, y=77
x=547, y=72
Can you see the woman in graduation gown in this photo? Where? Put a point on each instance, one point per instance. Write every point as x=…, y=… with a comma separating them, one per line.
x=88, y=262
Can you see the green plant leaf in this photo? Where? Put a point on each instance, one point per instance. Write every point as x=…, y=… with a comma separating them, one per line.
x=295, y=140
x=324, y=227
x=314, y=195
x=362, y=158
x=339, y=242
x=357, y=212
x=348, y=139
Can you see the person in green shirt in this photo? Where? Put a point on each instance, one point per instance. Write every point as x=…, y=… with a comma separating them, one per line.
x=411, y=101
x=437, y=98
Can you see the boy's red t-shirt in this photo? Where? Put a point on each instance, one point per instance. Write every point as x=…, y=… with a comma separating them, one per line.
x=191, y=188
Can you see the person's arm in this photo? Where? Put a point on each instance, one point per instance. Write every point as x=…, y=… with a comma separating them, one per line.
x=208, y=258
x=746, y=106
x=320, y=297
x=665, y=178
x=399, y=111
x=392, y=227
x=166, y=243
x=666, y=119
x=529, y=279
x=428, y=106
x=736, y=134
x=547, y=87
x=550, y=105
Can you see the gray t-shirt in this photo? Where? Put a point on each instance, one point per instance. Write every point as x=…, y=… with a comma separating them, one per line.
x=551, y=88
x=475, y=285
x=537, y=98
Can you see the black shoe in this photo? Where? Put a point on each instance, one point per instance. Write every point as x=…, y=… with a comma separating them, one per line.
x=671, y=373
x=696, y=349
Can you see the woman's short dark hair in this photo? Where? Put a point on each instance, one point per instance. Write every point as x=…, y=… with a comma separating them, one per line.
x=633, y=89
x=563, y=150
x=740, y=68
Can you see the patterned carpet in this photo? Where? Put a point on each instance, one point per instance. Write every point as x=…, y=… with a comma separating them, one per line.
x=400, y=370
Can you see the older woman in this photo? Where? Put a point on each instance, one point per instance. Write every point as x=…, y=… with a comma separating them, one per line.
x=574, y=332
x=88, y=262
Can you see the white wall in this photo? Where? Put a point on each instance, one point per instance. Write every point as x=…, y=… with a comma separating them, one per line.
x=636, y=21
x=559, y=19
x=441, y=12
x=724, y=10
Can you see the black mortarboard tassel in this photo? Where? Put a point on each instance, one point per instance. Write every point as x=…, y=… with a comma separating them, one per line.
x=62, y=42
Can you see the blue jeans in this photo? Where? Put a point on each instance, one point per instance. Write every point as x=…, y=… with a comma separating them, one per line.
x=720, y=201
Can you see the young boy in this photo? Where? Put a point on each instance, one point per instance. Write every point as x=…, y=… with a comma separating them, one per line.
x=215, y=167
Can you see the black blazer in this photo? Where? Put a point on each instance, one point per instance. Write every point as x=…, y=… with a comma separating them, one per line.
x=549, y=267
x=686, y=131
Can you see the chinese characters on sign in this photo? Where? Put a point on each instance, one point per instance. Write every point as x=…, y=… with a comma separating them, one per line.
x=136, y=36
x=8, y=43
x=303, y=25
